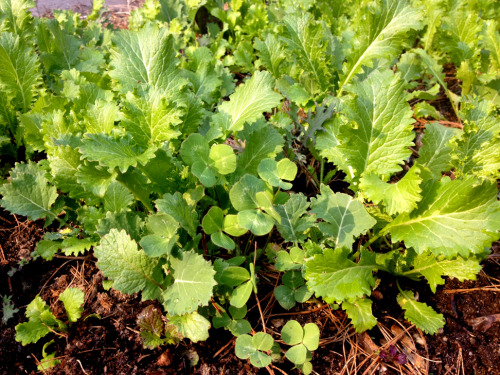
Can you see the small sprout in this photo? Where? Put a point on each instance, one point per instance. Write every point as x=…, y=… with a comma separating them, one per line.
x=392, y=355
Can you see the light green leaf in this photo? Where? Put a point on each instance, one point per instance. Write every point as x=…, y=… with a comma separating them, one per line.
x=221, y=240
x=145, y=57
x=232, y=227
x=297, y=354
x=212, y=222
x=162, y=237
x=258, y=222
x=435, y=153
x=192, y=326
x=117, y=198
x=262, y=341
x=73, y=299
x=249, y=101
x=420, y=314
x=272, y=54
x=382, y=35
x=477, y=150
x=40, y=320
x=193, y=284
x=234, y=276
x=20, y=72
x=29, y=193
x=345, y=217
x=64, y=163
x=307, y=45
x=311, y=336
x=399, y=197
x=31, y=331
x=153, y=118
x=15, y=16
x=360, y=313
x=334, y=276
x=114, y=153
x=285, y=297
x=454, y=217
x=177, y=207
x=378, y=128
x=264, y=143
x=433, y=268
x=73, y=246
x=295, y=219
x=222, y=159
x=129, y=268
x=292, y=333
x=195, y=148
x=241, y=294
x=243, y=193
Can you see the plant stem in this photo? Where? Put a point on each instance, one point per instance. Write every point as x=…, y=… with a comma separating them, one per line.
x=250, y=240
x=322, y=171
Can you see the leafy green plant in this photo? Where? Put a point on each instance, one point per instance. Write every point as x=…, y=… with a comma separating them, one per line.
x=42, y=322
x=303, y=340
x=181, y=150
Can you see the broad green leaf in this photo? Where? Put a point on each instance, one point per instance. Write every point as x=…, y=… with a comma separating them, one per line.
x=117, y=198
x=297, y=354
x=73, y=299
x=306, y=40
x=222, y=159
x=31, y=331
x=420, y=314
x=295, y=219
x=383, y=35
x=100, y=117
x=232, y=227
x=246, y=347
x=311, y=336
x=399, y=197
x=435, y=153
x=289, y=261
x=256, y=221
x=64, y=164
x=263, y=143
x=162, y=237
x=177, y=207
x=433, y=268
x=29, y=193
x=249, y=101
x=243, y=193
x=477, y=150
x=145, y=57
x=272, y=54
x=221, y=240
x=193, y=284
x=275, y=172
x=128, y=268
x=47, y=249
x=213, y=221
x=334, y=276
x=113, y=152
x=234, y=276
x=293, y=279
x=40, y=321
x=378, y=130
x=73, y=246
x=20, y=69
x=262, y=341
x=454, y=217
x=94, y=178
x=195, y=148
x=192, y=326
x=241, y=294
x=292, y=333
x=360, y=313
x=153, y=118
x=285, y=297
x=130, y=221
x=345, y=217
x=15, y=16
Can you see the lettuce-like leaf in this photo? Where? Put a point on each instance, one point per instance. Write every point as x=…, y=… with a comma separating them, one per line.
x=378, y=129
x=454, y=217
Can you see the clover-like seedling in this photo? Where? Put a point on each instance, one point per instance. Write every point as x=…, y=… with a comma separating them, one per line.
x=254, y=347
x=303, y=340
x=292, y=291
x=233, y=321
